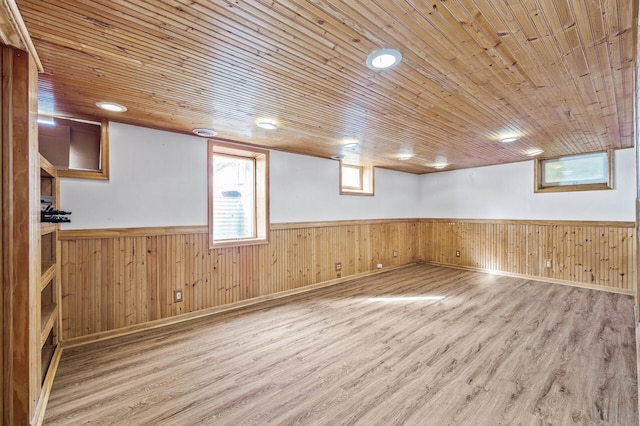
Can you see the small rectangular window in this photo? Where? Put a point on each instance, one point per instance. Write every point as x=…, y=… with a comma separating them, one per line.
x=574, y=173
x=234, y=197
x=238, y=194
x=356, y=179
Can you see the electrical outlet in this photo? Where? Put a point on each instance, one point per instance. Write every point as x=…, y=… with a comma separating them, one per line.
x=395, y=253
x=379, y=265
x=177, y=296
x=457, y=253
x=338, y=266
x=547, y=263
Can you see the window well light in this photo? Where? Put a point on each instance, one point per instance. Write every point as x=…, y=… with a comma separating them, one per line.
x=111, y=106
x=267, y=124
x=384, y=59
x=47, y=120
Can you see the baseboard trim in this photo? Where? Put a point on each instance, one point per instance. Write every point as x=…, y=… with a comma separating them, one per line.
x=43, y=400
x=253, y=302
x=536, y=278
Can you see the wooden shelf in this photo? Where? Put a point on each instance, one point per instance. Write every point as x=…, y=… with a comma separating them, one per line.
x=47, y=320
x=48, y=272
x=46, y=168
x=48, y=228
x=46, y=355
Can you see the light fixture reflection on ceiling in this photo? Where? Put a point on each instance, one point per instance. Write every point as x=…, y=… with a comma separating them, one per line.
x=509, y=138
x=384, y=59
x=267, y=123
x=205, y=133
x=441, y=162
x=111, y=106
x=405, y=298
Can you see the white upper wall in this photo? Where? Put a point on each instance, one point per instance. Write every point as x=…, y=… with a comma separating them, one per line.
x=506, y=192
x=306, y=189
x=159, y=178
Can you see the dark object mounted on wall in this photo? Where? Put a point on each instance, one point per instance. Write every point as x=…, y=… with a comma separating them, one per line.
x=51, y=215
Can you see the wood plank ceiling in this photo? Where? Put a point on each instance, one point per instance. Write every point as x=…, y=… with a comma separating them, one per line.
x=559, y=73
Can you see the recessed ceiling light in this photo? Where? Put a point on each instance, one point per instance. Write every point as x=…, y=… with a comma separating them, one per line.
x=267, y=123
x=405, y=157
x=439, y=166
x=111, y=106
x=384, y=59
x=337, y=157
x=509, y=138
x=205, y=133
x=534, y=152
x=351, y=145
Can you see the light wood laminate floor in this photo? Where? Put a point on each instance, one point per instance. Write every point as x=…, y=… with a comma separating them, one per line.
x=422, y=345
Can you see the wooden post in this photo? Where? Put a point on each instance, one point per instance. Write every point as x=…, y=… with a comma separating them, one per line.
x=20, y=242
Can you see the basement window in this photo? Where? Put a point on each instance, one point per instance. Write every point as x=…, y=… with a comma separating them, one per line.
x=356, y=179
x=238, y=195
x=585, y=172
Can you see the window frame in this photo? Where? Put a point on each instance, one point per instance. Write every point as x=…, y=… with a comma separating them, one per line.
x=539, y=186
x=261, y=192
x=367, y=179
x=103, y=172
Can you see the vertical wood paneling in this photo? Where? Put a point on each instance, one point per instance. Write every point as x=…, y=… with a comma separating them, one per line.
x=110, y=283
x=592, y=254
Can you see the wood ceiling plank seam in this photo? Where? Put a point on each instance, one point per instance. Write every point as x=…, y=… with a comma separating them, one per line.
x=537, y=118
x=615, y=30
x=487, y=36
x=492, y=73
x=575, y=50
x=553, y=21
x=535, y=37
x=312, y=134
x=629, y=34
x=485, y=129
x=597, y=42
x=558, y=87
x=124, y=75
x=535, y=93
x=468, y=17
x=473, y=95
x=418, y=83
x=342, y=70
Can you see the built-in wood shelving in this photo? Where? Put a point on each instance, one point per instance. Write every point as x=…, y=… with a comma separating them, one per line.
x=49, y=290
x=48, y=228
x=48, y=274
x=48, y=318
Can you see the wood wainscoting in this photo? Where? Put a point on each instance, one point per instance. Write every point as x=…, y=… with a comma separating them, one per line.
x=591, y=254
x=115, y=279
